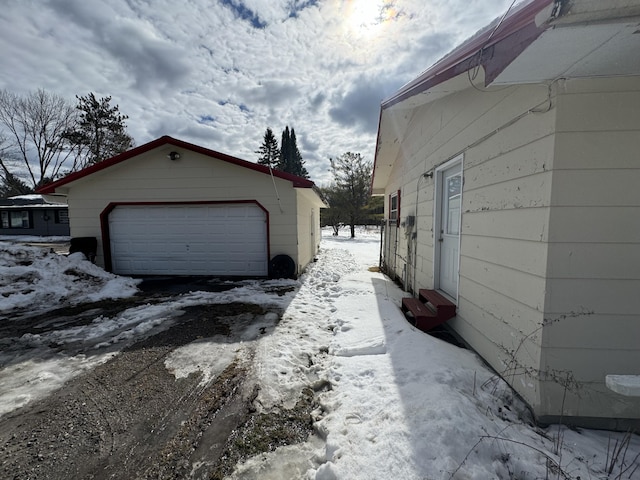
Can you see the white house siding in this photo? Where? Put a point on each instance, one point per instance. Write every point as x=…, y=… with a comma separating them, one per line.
x=309, y=234
x=152, y=177
x=592, y=305
x=506, y=141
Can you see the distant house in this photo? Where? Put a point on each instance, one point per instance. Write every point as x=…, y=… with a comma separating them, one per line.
x=173, y=208
x=32, y=215
x=511, y=173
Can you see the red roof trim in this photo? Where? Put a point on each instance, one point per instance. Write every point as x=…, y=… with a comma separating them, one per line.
x=297, y=181
x=519, y=21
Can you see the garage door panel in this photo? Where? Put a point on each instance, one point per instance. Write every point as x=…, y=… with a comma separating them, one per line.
x=226, y=239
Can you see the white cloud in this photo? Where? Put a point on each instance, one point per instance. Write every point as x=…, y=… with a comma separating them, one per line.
x=169, y=65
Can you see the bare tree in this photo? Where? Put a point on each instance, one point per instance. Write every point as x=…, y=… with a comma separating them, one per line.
x=36, y=126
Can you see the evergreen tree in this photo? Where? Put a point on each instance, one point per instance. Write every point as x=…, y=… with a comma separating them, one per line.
x=290, y=160
x=297, y=163
x=285, y=150
x=352, y=177
x=269, y=151
x=11, y=185
x=101, y=131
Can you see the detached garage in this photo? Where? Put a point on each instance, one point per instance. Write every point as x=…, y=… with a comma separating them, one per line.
x=174, y=208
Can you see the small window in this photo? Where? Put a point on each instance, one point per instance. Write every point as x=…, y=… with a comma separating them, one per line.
x=394, y=208
x=62, y=216
x=15, y=219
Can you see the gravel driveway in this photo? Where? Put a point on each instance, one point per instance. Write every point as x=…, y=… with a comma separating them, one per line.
x=130, y=417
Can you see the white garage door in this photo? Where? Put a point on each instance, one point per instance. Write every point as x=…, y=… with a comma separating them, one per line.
x=220, y=239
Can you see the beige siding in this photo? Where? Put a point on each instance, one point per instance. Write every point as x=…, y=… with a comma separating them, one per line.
x=592, y=307
x=152, y=177
x=507, y=160
x=506, y=197
x=550, y=245
x=308, y=221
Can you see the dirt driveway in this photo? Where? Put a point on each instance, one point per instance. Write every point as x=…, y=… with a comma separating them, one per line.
x=130, y=417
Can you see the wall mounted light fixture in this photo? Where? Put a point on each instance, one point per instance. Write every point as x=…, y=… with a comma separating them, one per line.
x=173, y=155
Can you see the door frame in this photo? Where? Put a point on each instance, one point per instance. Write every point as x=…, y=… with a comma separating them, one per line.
x=437, y=222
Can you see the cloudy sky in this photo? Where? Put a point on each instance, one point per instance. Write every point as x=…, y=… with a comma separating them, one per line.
x=219, y=72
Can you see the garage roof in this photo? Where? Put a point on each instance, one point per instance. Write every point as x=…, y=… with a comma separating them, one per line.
x=50, y=188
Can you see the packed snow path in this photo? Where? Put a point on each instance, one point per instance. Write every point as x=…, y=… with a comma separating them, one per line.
x=393, y=402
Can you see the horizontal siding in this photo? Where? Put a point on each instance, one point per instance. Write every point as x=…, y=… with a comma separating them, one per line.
x=536, y=146
x=619, y=362
x=449, y=126
x=528, y=224
x=151, y=177
x=507, y=311
x=592, y=302
x=597, y=188
x=474, y=323
x=599, y=112
x=592, y=400
x=597, y=150
x=513, y=284
x=600, y=296
x=550, y=236
x=507, y=159
x=587, y=330
x=595, y=225
x=620, y=261
x=516, y=163
x=524, y=192
x=522, y=256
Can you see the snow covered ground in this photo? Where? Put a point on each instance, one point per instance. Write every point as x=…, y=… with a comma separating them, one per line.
x=394, y=401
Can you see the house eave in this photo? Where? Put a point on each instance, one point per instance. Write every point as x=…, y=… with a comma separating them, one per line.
x=538, y=43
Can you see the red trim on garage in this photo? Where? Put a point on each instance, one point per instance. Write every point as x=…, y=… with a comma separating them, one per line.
x=297, y=181
x=106, y=235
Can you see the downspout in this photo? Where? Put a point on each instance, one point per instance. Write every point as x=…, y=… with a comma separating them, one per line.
x=381, y=245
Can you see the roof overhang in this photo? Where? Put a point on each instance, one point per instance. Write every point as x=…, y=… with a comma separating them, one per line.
x=536, y=43
x=166, y=143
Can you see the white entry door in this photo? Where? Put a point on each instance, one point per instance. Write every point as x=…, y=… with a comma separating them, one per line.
x=448, y=251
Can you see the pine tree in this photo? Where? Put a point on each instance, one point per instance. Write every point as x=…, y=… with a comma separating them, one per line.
x=290, y=158
x=297, y=163
x=285, y=150
x=11, y=185
x=269, y=151
x=101, y=130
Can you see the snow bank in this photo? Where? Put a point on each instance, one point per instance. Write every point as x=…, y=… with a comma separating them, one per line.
x=37, y=279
